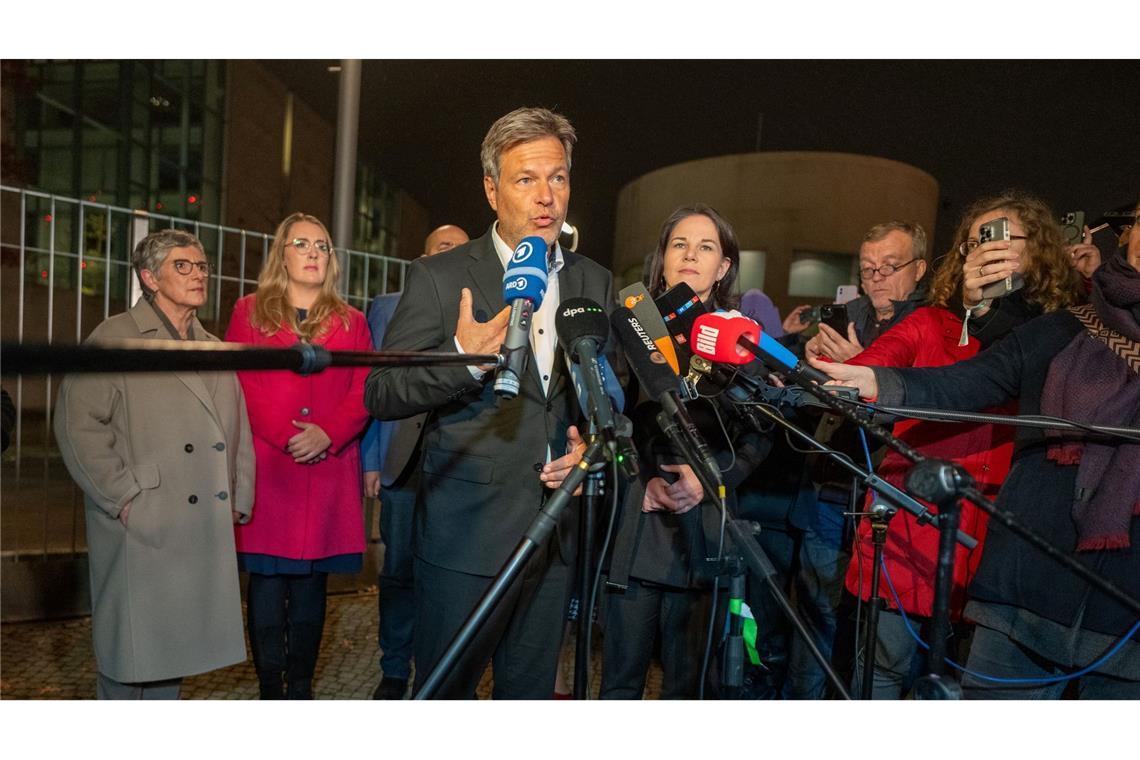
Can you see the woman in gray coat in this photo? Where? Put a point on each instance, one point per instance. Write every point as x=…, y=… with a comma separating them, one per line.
x=165, y=462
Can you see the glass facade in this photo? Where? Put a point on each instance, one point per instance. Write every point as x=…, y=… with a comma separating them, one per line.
x=134, y=134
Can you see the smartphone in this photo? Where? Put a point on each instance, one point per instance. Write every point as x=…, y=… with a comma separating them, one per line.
x=834, y=315
x=1073, y=227
x=998, y=229
x=846, y=293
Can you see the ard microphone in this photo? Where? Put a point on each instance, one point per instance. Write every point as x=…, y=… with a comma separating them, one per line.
x=736, y=340
x=636, y=298
x=524, y=285
x=582, y=330
x=663, y=386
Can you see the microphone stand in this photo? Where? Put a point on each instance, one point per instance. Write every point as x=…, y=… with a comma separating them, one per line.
x=946, y=484
x=539, y=530
x=747, y=551
x=209, y=356
x=582, y=608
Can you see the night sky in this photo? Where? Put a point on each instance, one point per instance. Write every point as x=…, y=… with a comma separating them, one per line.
x=1060, y=129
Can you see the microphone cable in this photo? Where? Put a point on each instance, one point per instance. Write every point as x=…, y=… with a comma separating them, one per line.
x=1112, y=652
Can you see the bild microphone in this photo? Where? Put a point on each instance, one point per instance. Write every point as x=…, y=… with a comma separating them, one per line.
x=582, y=329
x=737, y=340
x=524, y=285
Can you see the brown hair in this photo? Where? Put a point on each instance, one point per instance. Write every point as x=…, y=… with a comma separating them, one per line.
x=724, y=295
x=272, y=309
x=1050, y=280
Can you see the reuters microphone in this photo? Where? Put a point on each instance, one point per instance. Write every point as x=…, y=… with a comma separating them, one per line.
x=720, y=337
x=524, y=285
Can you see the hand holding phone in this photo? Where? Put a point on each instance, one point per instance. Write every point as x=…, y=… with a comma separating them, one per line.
x=990, y=270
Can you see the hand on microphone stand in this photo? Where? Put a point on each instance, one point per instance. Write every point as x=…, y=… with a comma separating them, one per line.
x=852, y=376
x=554, y=472
x=476, y=337
x=679, y=497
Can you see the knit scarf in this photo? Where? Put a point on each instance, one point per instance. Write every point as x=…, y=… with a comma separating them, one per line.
x=1096, y=379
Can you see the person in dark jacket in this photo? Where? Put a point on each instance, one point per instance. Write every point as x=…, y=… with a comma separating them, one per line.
x=656, y=588
x=1037, y=622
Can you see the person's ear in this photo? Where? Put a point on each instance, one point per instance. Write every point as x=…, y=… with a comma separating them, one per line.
x=490, y=190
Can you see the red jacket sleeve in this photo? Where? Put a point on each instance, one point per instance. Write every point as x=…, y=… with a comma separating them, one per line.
x=898, y=346
x=265, y=418
x=349, y=416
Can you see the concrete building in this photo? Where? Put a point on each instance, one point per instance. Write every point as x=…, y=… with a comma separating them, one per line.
x=800, y=216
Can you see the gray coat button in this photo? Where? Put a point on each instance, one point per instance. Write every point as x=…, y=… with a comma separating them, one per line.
x=222, y=496
x=189, y=448
x=193, y=499
x=220, y=446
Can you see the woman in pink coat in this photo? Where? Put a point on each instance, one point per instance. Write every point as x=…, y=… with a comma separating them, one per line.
x=306, y=433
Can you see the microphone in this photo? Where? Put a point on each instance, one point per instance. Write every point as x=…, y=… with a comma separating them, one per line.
x=736, y=340
x=636, y=298
x=626, y=452
x=679, y=308
x=582, y=330
x=524, y=285
x=653, y=372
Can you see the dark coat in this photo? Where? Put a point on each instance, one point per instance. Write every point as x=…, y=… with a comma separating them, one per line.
x=1038, y=492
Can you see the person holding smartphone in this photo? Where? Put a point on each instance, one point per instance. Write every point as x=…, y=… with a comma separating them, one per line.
x=892, y=264
x=1034, y=254
x=1036, y=621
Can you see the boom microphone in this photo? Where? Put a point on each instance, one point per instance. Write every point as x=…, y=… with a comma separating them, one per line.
x=736, y=340
x=524, y=285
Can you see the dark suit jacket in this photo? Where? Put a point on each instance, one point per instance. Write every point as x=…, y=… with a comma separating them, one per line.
x=479, y=487
x=388, y=446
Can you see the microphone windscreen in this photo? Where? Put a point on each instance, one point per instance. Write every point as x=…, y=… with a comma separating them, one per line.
x=579, y=318
x=645, y=359
x=717, y=336
x=610, y=383
x=526, y=272
x=679, y=307
x=636, y=298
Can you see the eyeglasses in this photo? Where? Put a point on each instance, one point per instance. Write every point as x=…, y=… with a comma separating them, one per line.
x=967, y=247
x=303, y=245
x=185, y=266
x=885, y=271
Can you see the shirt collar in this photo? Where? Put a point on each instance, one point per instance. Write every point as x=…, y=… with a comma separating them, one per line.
x=554, y=261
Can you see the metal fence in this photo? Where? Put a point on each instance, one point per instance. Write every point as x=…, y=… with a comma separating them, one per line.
x=66, y=268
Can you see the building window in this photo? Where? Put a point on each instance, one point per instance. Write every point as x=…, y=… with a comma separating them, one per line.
x=816, y=274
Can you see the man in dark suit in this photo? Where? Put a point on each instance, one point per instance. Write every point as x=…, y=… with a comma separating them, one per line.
x=388, y=476
x=487, y=464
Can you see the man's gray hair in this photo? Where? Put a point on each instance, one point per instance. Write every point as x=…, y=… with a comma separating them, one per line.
x=153, y=249
x=914, y=229
x=519, y=126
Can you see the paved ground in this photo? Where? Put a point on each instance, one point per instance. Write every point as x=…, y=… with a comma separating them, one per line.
x=53, y=660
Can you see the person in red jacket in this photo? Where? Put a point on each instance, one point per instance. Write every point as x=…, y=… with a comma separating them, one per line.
x=932, y=337
x=306, y=432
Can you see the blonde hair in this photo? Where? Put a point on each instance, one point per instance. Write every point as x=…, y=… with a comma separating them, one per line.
x=1050, y=281
x=272, y=308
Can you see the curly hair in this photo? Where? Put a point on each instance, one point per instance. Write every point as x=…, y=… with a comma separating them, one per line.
x=272, y=309
x=1050, y=280
x=724, y=295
